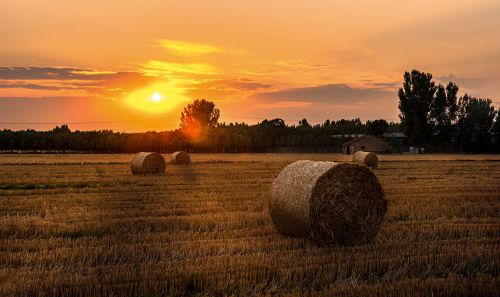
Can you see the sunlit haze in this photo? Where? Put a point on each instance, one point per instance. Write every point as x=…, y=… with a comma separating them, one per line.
x=133, y=66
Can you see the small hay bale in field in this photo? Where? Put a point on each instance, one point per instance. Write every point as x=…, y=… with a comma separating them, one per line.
x=148, y=163
x=328, y=202
x=366, y=158
x=180, y=158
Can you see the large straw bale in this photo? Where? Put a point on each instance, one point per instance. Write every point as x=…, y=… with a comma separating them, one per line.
x=366, y=158
x=327, y=202
x=148, y=163
x=180, y=158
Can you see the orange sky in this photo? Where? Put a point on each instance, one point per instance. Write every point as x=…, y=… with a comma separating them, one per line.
x=96, y=64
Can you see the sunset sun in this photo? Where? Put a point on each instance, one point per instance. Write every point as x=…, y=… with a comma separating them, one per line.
x=156, y=97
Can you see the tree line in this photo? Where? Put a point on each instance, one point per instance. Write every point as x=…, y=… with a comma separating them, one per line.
x=266, y=136
x=432, y=117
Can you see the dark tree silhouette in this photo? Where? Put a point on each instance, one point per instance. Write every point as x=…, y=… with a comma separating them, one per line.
x=304, y=123
x=443, y=113
x=198, y=117
x=476, y=118
x=354, y=126
x=415, y=99
x=62, y=129
x=267, y=132
x=377, y=127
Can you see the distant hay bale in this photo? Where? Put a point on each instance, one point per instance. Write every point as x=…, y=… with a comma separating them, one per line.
x=366, y=158
x=327, y=202
x=148, y=163
x=180, y=158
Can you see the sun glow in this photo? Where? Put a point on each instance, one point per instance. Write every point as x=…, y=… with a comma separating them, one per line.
x=153, y=99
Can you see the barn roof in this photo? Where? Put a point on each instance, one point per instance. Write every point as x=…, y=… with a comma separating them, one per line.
x=360, y=138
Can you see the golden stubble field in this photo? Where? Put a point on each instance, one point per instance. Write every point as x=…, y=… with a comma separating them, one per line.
x=82, y=225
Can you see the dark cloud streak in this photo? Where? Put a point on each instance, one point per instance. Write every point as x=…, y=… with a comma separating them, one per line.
x=331, y=93
x=28, y=86
x=49, y=73
x=465, y=81
x=71, y=79
x=392, y=84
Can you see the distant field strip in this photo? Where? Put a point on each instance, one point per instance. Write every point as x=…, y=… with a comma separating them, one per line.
x=110, y=159
x=82, y=225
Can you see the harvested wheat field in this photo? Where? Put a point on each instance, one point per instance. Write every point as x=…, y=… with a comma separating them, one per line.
x=83, y=225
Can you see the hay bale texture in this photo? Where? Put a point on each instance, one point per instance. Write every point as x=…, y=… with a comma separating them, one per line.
x=327, y=202
x=366, y=158
x=148, y=163
x=180, y=158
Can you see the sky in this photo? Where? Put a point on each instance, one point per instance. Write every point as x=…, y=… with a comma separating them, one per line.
x=133, y=65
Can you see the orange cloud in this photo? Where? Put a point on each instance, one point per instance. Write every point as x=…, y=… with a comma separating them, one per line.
x=160, y=68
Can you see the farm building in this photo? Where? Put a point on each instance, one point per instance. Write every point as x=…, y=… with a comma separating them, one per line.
x=366, y=143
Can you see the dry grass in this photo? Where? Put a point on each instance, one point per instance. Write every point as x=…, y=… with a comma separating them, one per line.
x=83, y=225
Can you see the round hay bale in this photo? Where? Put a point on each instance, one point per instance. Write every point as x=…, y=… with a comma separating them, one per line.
x=148, y=163
x=327, y=202
x=366, y=158
x=180, y=158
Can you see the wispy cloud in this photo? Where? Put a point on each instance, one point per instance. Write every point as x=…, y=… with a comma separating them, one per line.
x=183, y=48
x=239, y=84
x=155, y=67
x=282, y=104
x=450, y=45
x=217, y=89
x=302, y=64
